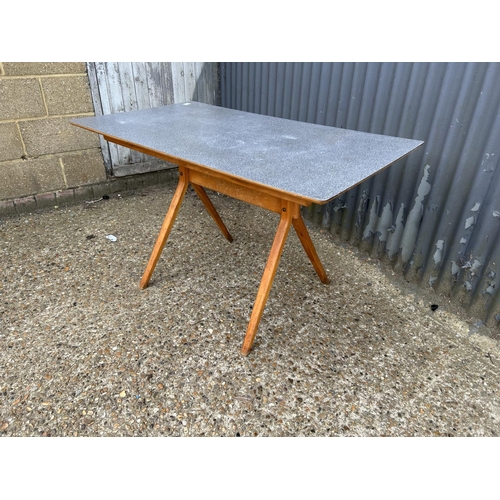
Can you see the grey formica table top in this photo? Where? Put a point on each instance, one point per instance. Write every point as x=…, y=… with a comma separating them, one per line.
x=316, y=162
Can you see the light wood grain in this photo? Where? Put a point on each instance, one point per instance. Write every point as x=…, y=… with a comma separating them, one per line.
x=305, y=239
x=238, y=190
x=268, y=276
x=211, y=210
x=166, y=227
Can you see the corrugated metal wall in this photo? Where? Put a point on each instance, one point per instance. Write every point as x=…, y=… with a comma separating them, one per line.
x=434, y=216
x=126, y=86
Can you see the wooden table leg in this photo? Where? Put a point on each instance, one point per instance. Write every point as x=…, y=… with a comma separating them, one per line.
x=175, y=204
x=307, y=243
x=212, y=210
x=268, y=276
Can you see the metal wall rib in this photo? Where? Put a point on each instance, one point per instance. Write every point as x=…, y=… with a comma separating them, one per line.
x=435, y=216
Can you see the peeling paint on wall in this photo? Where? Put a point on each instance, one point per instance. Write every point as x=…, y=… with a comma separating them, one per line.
x=476, y=265
x=438, y=254
x=469, y=222
x=472, y=268
x=385, y=223
x=392, y=245
x=340, y=205
x=492, y=284
x=415, y=217
x=373, y=219
x=460, y=190
x=362, y=207
x=379, y=226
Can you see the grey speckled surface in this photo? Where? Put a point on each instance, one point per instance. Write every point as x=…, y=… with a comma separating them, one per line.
x=314, y=161
x=85, y=352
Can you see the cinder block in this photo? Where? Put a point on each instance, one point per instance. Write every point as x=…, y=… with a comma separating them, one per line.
x=7, y=208
x=21, y=178
x=43, y=68
x=84, y=168
x=55, y=135
x=11, y=147
x=65, y=197
x=47, y=200
x=100, y=190
x=83, y=193
x=118, y=185
x=25, y=204
x=134, y=182
x=167, y=175
x=20, y=98
x=150, y=179
x=67, y=95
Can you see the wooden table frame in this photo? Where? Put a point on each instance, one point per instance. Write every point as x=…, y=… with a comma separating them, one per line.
x=276, y=164
x=285, y=204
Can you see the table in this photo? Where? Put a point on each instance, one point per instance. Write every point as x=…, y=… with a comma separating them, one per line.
x=274, y=163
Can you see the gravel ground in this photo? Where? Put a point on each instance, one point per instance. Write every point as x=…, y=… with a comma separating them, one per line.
x=85, y=352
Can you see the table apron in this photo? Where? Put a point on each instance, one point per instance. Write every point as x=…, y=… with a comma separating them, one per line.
x=247, y=194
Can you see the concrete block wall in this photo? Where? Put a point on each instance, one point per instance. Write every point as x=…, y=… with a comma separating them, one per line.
x=41, y=154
